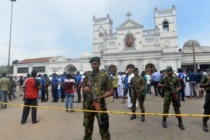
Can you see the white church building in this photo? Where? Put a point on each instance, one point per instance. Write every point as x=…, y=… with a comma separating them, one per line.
x=130, y=46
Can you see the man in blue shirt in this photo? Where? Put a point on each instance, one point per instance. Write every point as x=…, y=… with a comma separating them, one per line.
x=181, y=79
x=63, y=77
x=42, y=89
x=78, y=78
x=156, y=76
x=55, y=83
x=193, y=80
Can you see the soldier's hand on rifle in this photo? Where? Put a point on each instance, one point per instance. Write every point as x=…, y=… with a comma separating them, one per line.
x=138, y=94
x=98, y=98
x=87, y=89
x=167, y=85
x=170, y=83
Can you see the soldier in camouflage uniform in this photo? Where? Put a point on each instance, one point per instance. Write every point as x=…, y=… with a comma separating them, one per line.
x=103, y=88
x=138, y=85
x=171, y=85
x=205, y=83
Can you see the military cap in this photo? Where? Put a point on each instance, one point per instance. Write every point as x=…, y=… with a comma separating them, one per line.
x=168, y=68
x=94, y=59
x=135, y=69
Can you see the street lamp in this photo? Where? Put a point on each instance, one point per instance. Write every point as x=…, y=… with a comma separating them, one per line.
x=8, y=70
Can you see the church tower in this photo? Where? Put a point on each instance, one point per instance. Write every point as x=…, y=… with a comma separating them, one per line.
x=102, y=27
x=165, y=21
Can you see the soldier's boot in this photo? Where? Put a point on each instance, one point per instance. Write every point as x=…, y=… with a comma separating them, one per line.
x=164, y=124
x=142, y=118
x=181, y=126
x=133, y=116
x=205, y=126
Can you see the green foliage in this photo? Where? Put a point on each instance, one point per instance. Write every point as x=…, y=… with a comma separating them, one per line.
x=15, y=62
x=11, y=67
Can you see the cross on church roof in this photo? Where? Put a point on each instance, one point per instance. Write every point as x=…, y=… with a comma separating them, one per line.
x=128, y=14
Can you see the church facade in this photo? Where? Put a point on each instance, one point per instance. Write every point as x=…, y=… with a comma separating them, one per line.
x=130, y=46
x=134, y=46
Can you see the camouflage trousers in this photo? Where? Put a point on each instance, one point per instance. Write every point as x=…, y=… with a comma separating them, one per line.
x=207, y=106
x=168, y=98
x=134, y=97
x=88, y=122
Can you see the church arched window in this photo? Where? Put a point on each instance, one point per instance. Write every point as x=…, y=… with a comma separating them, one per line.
x=165, y=26
x=101, y=32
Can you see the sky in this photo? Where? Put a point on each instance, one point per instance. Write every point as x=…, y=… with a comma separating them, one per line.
x=49, y=28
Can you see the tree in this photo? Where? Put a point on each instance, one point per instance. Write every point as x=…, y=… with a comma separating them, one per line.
x=15, y=61
x=11, y=67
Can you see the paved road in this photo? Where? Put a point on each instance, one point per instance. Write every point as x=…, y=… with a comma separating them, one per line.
x=60, y=125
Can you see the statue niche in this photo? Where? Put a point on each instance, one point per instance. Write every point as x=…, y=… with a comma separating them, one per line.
x=129, y=41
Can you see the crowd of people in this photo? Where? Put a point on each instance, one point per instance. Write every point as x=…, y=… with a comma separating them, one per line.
x=108, y=86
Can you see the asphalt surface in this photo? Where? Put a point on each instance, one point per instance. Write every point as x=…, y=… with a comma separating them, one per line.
x=62, y=125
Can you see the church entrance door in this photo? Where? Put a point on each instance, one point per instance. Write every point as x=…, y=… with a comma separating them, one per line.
x=130, y=66
x=112, y=69
x=149, y=69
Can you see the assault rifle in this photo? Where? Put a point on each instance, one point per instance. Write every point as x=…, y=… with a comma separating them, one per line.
x=173, y=93
x=95, y=102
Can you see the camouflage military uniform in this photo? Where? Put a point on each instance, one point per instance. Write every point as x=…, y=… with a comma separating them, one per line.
x=137, y=83
x=171, y=84
x=168, y=97
x=206, y=79
x=105, y=84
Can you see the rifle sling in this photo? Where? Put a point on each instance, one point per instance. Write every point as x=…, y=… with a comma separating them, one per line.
x=99, y=87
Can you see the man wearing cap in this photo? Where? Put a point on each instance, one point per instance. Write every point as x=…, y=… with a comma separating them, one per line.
x=172, y=85
x=205, y=83
x=63, y=78
x=138, y=85
x=55, y=83
x=42, y=80
x=101, y=84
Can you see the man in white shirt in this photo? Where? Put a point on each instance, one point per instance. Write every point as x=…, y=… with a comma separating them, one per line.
x=131, y=75
x=119, y=83
x=148, y=88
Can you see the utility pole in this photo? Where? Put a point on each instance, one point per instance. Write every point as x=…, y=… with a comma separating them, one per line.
x=195, y=69
x=8, y=65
